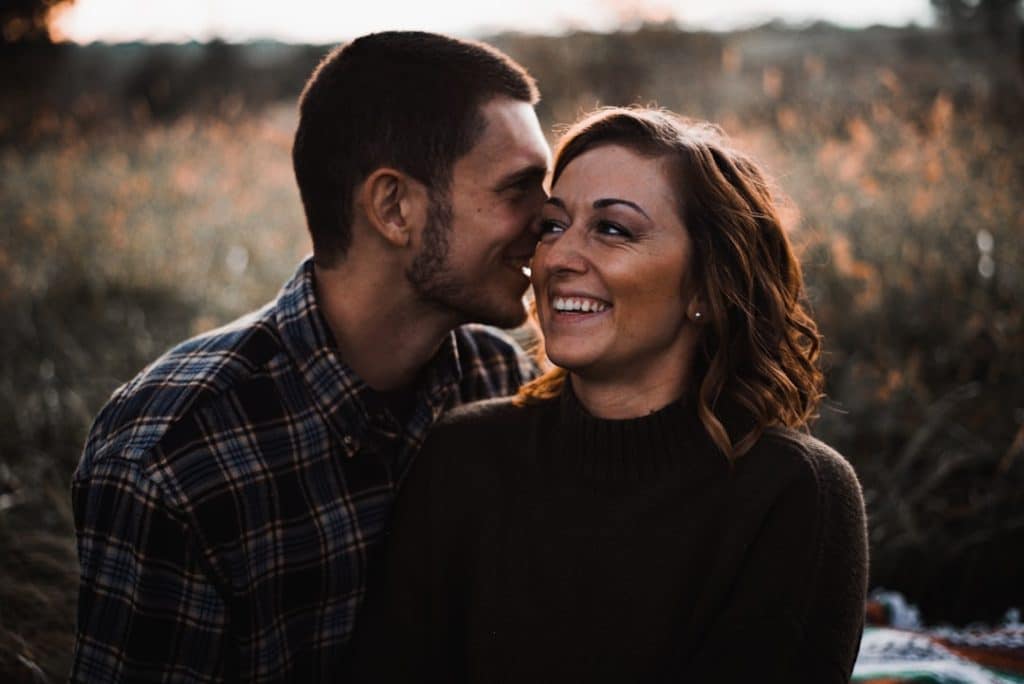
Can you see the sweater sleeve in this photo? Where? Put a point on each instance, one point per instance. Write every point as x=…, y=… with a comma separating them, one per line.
x=796, y=610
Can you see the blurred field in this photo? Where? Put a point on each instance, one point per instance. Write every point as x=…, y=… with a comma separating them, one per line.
x=147, y=195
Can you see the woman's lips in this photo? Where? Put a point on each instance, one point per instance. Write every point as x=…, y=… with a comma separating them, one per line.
x=578, y=304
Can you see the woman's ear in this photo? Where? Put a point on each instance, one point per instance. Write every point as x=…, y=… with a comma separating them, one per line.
x=697, y=309
x=395, y=205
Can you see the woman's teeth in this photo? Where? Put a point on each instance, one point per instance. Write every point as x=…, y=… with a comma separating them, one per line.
x=581, y=304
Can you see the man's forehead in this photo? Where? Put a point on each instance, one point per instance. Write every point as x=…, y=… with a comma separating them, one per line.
x=511, y=137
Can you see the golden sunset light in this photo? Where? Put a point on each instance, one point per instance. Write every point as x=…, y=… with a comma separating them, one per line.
x=316, y=21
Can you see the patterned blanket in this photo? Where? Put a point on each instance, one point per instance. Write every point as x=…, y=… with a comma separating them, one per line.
x=898, y=649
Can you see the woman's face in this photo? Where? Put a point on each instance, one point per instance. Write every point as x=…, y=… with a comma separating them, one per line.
x=610, y=273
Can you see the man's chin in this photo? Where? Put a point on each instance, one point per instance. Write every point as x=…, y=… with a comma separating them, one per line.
x=509, y=320
x=509, y=316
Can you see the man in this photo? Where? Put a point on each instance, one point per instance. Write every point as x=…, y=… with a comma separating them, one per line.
x=230, y=496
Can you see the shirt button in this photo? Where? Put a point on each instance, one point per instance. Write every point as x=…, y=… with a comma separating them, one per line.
x=349, y=441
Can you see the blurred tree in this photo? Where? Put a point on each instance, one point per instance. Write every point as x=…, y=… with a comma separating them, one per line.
x=998, y=22
x=26, y=21
x=999, y=18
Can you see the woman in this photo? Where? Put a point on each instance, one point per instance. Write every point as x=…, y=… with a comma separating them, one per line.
x=650, y=510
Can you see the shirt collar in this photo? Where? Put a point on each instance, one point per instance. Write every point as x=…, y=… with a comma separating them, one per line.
x=353, y=409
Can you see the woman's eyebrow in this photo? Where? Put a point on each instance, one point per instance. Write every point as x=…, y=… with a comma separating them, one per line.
x=557, y=202
x=609, y=201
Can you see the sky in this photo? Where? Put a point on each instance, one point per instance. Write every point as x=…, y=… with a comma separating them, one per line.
x=322, y=21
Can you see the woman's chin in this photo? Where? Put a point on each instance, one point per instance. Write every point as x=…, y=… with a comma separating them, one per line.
x=572, y=360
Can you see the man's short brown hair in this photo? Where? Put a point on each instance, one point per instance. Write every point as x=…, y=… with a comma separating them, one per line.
x=409, y=100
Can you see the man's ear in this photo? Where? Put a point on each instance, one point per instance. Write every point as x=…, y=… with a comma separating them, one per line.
x=395, y=205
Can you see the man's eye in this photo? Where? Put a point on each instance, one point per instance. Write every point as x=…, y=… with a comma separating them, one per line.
x=523, y=187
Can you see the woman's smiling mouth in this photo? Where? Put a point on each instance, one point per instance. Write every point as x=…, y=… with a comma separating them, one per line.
x=578, y=305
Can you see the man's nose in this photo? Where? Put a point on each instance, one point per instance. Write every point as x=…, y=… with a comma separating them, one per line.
x=534, y=208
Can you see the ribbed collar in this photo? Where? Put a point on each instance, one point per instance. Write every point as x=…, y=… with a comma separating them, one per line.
x=633, y=448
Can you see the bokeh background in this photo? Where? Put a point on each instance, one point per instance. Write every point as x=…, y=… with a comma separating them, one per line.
x=146, y=194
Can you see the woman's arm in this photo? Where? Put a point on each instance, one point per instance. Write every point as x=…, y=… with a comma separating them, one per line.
x=796, y=611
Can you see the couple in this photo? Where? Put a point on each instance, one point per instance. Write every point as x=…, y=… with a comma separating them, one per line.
x=647, y=510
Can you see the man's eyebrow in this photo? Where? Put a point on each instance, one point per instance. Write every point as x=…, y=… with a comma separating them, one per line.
x=530, y=173
x=609, y=201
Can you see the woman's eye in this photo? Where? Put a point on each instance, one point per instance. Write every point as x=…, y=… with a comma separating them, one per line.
x=613, y=229
x=549, y=227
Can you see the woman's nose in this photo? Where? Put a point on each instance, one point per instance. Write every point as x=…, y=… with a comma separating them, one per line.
x=566, y=253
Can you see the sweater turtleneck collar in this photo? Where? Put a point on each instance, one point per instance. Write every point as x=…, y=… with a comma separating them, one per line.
x=631, y=448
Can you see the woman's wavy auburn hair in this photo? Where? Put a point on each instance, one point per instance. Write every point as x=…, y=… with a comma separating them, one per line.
x=757, y=363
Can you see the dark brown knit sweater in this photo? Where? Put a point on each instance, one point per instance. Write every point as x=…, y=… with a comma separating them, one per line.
x=541, y=544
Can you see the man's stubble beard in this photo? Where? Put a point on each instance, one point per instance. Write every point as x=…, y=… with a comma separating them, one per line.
x=434, y=280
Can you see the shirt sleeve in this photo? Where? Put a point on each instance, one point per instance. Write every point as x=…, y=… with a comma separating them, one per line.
x=147, y=609
x=493, y=363
x=796, y=612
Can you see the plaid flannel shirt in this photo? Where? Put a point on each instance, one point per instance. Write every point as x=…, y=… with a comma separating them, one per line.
x=229, y=497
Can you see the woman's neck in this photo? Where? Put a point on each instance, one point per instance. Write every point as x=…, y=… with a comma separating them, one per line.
x=626, y=398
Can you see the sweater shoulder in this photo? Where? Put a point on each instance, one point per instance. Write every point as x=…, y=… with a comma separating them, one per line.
x=806, y=476
x=489, y=419
x=797, y=455
x=820, y=490
x=464, y=467
x=487, y=413
x=480, y=432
